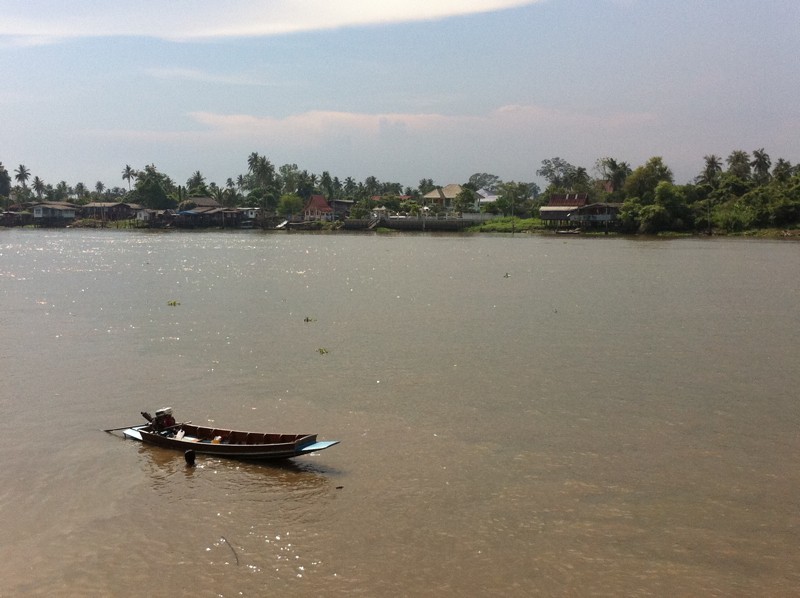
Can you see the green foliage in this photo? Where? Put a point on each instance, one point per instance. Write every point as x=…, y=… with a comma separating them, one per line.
x=513, y=198
x=150, y=193
x=5, y=181
x=653, y=218
x=509, y=224
x=290, y=204
x=482, y=180
x=361, y=209
x=643, y=181
x=740, y=193
x=616, y=173
x=391, y=202
x=465, y=200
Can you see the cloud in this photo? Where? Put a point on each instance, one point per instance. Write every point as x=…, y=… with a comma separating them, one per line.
x=196, y=75
x=516, y=129
x=40, y=21
x=512, y=120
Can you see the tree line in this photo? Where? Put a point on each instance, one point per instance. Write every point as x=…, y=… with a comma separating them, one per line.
x=743, y=191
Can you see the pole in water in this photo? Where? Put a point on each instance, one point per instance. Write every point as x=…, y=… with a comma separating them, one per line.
x=189, y=456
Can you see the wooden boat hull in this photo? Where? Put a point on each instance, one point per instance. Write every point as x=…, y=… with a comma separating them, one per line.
x=233, y=444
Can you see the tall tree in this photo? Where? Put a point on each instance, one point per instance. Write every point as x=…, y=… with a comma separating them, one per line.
x=289, y=178
x=426, y=186
x=556, y=171
x=349, y=186
x=128, y=174
x=62, y=191
x=761, y=165
x=781, y=172
x=739, y=164
x=5, y=182
x=38, y=186
x=712, y=169
x=326, y=184
x=80, y=191
x=643, y=181
x=614, y=172
x=372, y=185
x=512, y=196
x=466, y=200
x=306, y=185
x=577, y=179
x=252, y=162
x=22, y=176
x=196, y=184
x=484, y=181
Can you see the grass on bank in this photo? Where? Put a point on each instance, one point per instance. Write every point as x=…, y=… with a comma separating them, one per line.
x=508, y=224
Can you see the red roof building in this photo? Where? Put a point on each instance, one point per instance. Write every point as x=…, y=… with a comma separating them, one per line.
x=317, y=208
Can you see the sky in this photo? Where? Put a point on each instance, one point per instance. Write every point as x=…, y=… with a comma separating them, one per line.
x=396, y=89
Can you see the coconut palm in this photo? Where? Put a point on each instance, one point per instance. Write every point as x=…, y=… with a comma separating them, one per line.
x=196, y=182
x=614, y=172
x=128, y=174
x=38, y=186
x=5, y=181
x=252, y=162
x=22, y=176
x=80, y=191
x=761, y=164
x=782, y=171
x=739, y=164
x=711, y=170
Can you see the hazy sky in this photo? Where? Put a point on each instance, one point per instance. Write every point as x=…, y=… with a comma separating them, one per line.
x=400, y=90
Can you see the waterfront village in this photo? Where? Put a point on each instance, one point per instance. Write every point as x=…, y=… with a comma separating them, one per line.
x=752, y=195
x=565, y=212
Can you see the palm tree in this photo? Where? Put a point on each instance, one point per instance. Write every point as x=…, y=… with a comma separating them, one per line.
x=577, y=179
x=128, y=174
x=372, y=185
x=349, y=186
x=80, y=191
x=5, y=182
x=22, y=176
x=38, y=186
x=711, y=170
x=217, y=193
x=614, y=172
x=739, y=164
x=761, y=164
x=252, y=162
x=196, y=182
x=782, y=171
x=99, y=187
x=62, y=191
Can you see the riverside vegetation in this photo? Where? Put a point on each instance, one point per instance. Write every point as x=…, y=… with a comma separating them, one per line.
x=744, y=193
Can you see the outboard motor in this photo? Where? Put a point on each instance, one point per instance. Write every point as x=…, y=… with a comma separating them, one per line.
x=163, y=419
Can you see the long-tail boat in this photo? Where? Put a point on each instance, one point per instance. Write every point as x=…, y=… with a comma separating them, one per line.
x=162, y=431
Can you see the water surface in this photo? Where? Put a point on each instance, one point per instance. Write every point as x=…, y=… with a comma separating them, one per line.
x=519, y=416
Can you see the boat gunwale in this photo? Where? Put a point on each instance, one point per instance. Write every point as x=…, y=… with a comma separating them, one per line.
x=200, y=439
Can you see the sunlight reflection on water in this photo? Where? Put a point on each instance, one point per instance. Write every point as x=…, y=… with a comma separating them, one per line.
x=605, y=419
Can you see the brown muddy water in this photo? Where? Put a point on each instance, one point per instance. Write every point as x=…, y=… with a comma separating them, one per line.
x=519, y=416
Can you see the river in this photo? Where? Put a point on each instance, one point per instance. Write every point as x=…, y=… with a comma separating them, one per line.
x=518, y=416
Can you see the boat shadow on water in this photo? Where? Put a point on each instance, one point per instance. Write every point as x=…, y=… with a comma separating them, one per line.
x=165, y=467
